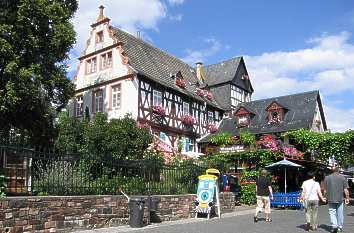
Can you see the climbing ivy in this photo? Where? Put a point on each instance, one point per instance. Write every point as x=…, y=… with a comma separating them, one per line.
x=325, y=145
x=222, y=139
x=247, y=138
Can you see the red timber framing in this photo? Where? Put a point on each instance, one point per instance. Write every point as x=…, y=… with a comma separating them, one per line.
x=242, y=112
x=172, y=101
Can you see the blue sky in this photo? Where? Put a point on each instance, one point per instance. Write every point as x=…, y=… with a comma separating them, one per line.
x=289, y=46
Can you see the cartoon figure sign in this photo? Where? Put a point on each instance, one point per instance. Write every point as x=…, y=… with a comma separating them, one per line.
x=206, y=194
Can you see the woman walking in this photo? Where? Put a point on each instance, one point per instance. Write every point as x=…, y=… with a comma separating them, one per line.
x=311, y=192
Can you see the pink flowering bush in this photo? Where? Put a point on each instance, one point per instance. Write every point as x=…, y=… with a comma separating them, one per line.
x=188, y=120
x=181, y=83
x=268, y=142
x=159, y=110
x=292, y=152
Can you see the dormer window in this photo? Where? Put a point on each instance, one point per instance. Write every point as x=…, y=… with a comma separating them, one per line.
x=275, y=113
x=243, y=117
x=99, y=37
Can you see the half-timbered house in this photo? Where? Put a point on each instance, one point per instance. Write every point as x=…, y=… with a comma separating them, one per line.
x=119, y=73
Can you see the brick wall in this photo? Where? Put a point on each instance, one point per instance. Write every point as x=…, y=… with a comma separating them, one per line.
x=65, y=214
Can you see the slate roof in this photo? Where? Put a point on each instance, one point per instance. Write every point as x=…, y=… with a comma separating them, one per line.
x=222, y=72
x=158, y=65
x=226, y=71
x=300, y=112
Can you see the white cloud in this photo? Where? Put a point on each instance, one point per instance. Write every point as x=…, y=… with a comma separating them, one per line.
x=339, y=119
x=327, y=65
x=132, y=15
x=177, y=17
x=176, y=2
x=201, y=55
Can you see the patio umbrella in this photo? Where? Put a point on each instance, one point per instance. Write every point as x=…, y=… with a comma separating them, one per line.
x=284, y=164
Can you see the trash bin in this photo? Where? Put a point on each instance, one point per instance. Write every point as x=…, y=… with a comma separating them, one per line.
x=136, y=207
x=153, y=206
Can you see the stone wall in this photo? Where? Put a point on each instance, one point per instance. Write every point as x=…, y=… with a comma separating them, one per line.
x=65, y=214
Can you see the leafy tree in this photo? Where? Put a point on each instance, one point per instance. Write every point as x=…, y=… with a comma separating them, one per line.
x=35, y=37
x=70, y=134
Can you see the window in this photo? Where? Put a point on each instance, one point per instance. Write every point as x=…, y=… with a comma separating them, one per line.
x=99, y=37
x=79, y=106
x=188, y=144
x=185, y=110
x=157, y=98
x=116, y=97
x=242, y=120
x=106, y=60
x=217, y=115
x=99, y=101
x=162, y=136
x=210, y=117
x=91, y=65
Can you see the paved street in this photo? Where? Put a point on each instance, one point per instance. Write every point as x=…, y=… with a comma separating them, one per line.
x=284, y=221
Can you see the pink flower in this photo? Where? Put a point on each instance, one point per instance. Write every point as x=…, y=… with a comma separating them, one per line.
x=188, y=120
x=159, y=110
x=181, y=83
x=209, y=95
x=212, y=128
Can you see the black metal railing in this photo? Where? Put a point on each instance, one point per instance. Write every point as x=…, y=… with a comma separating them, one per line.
x=32, y=172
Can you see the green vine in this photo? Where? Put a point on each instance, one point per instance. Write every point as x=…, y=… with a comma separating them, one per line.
x=222, y=139
x=247, y=139
x=325, y=145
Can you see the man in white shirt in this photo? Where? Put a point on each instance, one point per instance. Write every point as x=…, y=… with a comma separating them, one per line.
x=310, y=192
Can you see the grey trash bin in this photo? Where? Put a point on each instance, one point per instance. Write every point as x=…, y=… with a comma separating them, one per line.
x=136, y=207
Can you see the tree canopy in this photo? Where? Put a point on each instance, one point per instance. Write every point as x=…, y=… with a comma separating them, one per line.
x=35, y=38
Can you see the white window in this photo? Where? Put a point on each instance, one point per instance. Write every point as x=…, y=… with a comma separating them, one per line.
x=79, y=106
x=185, y=109
x=91, y=65
x=217, y=115
x=210, y=117
x=162, y=136
x=188, y=144
x=99, y=101
x=116, y=97
x=157, y=98
x=106, y=60
x=242, y=120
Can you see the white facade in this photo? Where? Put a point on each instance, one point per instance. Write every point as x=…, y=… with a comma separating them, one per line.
x=102, y=70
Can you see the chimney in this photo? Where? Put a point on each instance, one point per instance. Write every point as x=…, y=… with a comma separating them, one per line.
x=200, y=72
x=101, y=15
x=138, y=34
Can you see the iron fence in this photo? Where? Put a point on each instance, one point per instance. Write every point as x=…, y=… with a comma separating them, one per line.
x=32, y=172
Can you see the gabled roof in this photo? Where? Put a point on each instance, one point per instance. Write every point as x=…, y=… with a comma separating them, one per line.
x=158, y=65
x=222, y=72
x=301, y=111
x=227, y=71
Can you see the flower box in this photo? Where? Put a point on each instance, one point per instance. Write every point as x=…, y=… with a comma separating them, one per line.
x=181, y=83
x=188, y=120
x=200, y=92
x=209, y=95
x=159, y=110
x=212, y=128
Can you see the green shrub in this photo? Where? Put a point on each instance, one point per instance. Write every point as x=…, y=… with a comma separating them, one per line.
x=248, y=194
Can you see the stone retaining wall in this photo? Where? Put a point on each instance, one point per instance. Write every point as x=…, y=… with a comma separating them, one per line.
x=65, y=214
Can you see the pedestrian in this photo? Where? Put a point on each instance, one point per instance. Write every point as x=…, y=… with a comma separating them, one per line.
x=263, y=192
x=311, y=190
x=336, y=186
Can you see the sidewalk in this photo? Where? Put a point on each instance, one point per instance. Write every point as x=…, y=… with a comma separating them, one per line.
x=239, y=211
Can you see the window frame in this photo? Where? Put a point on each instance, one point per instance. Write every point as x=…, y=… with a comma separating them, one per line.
x=89, y=65
x=210, y=117
x=104, y=59
x=157, y=97
x=185, y=106
x=118, y=93
x=99, y=101
x=99, y=37
x=79, y=104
